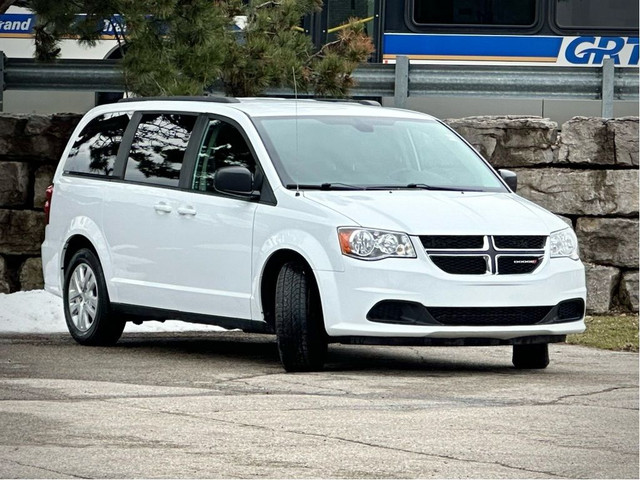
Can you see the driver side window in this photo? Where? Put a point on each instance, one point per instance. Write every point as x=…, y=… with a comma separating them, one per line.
x=222, y=146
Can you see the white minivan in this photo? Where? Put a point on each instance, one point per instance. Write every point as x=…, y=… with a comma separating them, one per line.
x=317, y=221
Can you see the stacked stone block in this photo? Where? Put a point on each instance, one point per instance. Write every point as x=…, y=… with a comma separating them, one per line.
x=586, y=172
x=30, y=148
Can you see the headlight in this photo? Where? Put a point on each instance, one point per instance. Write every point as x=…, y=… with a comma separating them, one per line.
x=367, y=244
x=564, y=243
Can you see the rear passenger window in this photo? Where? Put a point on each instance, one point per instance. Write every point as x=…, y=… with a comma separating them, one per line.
x=158, y=148
x=96, y=149
x=223, y=146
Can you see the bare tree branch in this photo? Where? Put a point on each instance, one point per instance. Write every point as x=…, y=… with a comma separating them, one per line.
x=268, y=4
x=326, y=46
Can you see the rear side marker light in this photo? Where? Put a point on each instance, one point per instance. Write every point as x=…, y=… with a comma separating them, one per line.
x=48, y=193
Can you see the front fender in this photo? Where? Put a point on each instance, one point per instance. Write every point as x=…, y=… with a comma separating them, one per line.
x=320, y=255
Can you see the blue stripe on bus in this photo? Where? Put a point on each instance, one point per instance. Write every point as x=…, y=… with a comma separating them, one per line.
x=17, y=23
x=471, y=45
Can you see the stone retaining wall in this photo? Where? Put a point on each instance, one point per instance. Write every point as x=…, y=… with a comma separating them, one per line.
x=586, y=172
x=30, y=147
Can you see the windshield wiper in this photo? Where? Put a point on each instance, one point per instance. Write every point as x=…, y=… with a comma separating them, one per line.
x=346, y=186
x=424, y=186
x=324, y=186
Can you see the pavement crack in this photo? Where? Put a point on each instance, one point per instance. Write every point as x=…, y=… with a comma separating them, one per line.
x=398, y=449
x=613, y=449
x=330, y=391
x=406, y=450
x=50, y=470
x=352, y=441
x=89, y=398
x=590, y=394
x=247, y=377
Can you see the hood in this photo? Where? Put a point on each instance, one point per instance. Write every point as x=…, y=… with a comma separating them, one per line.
x=422, y=212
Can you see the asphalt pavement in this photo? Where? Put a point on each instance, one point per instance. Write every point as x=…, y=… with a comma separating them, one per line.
x=213, y=405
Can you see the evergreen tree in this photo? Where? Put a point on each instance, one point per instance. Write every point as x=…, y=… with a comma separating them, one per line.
x=184, y=47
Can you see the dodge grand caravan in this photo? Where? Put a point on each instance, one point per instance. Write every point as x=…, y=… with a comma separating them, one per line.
x=317, y=221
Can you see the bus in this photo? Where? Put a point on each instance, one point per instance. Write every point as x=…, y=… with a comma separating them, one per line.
x=495, y=32
x=578, y=33
x=457, y=32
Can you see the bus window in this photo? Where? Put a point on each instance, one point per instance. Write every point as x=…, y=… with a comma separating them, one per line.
x=340, y=11
x=475, y=12
x=597, y=14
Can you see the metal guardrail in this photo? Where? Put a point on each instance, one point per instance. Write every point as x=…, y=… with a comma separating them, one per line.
x=576, y=83
x=400, y=81
x=87, y=75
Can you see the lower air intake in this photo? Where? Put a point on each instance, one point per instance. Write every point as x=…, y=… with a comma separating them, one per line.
x=488, y=316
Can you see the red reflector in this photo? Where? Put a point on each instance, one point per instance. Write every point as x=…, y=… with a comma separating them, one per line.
x=48, y=193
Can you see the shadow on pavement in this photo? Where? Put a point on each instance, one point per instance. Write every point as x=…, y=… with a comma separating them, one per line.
x=261, y=350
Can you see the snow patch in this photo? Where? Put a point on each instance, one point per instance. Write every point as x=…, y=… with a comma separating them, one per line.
x=38, y=311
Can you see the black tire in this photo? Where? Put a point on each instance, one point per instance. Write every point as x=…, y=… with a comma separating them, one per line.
x=531, y=356
x=87, y=309
x=302, y=340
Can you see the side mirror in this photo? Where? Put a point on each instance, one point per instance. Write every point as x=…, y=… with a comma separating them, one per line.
x=510, y=178
x=236, y=181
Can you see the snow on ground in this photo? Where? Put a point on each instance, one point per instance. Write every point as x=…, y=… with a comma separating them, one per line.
x=38, y=311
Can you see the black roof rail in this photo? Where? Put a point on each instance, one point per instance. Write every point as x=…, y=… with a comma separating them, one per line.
x=373, y=103
x=348, y=100
x=183, y=98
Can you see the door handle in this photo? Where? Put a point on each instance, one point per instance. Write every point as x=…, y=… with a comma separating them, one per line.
x=162, y=207
x=187, y=210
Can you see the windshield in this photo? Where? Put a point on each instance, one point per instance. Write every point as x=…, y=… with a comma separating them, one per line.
x=338, y=152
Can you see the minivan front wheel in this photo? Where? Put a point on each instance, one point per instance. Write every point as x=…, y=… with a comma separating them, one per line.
x=302, y=341
x=87, y=309
x=531, y=356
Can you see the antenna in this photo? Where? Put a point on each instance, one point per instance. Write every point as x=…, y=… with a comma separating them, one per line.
x=295, y=95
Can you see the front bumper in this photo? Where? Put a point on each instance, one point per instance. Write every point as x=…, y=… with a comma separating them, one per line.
x=349, y=296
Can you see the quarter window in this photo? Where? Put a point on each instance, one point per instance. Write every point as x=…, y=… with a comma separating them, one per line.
x=475, y=12
x=96, y=149
x=223, y=146
x=597, y=14
x=158, y=148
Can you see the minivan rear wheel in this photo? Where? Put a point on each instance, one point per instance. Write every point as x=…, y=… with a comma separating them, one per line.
x=302, y=341
x=531, y=356
x=87, y=309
